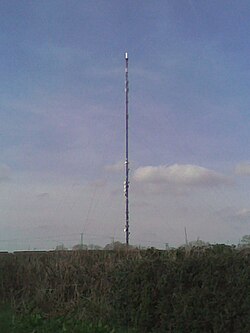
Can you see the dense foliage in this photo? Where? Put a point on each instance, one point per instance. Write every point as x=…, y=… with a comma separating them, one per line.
x=36, y=323
x=195, y=290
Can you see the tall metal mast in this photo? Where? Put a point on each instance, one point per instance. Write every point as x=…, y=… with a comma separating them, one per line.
x=126, y=182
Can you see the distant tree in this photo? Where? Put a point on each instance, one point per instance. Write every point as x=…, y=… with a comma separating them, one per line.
x=79, y=247
x=117, y=246
x=141, y=247
x=245, y=241
x=61, y=247
x=94, y=247
x=196, y=243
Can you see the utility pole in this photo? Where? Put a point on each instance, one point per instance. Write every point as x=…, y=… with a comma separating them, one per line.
x=81, y=240
x=126, y=182
x=186, y=237
x=113, y=242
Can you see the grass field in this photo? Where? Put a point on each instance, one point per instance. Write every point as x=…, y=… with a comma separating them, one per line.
x=36, y=323
x=197, y=290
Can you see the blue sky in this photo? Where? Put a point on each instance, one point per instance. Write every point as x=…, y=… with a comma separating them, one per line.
x=62, y=121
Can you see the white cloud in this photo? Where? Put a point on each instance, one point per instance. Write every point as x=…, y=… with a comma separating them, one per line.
x=243, y=213
x=180, y=175
x=243, y=169
x=233, y=214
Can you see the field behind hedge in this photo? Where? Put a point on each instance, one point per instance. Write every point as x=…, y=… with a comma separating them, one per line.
x=194, y=290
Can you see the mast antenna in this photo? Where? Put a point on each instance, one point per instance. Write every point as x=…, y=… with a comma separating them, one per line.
x=126, y=182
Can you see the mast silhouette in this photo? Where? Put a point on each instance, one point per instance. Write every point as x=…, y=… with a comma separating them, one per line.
x=126, y=182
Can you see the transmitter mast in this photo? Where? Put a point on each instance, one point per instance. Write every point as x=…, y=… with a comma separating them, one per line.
x=126, y=182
